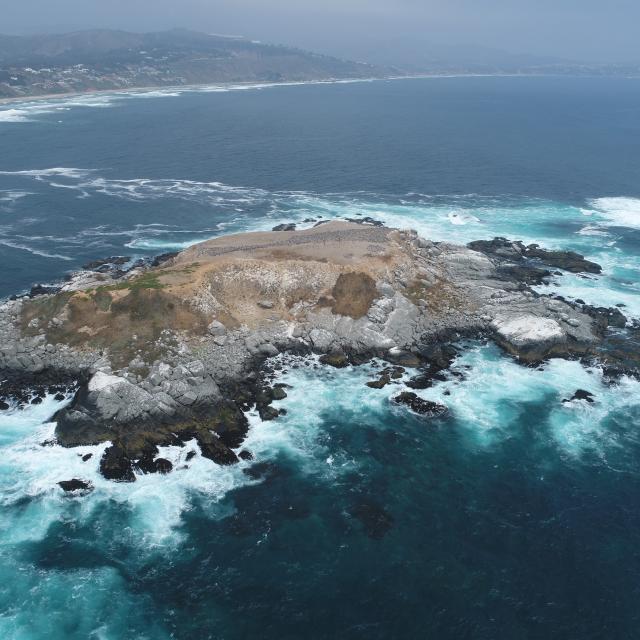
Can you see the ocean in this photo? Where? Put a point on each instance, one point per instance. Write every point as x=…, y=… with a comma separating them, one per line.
x=515, y=516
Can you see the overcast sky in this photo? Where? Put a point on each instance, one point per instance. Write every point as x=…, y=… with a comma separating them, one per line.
x=599, y=30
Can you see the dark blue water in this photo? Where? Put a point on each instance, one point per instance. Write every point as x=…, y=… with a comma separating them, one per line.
x=516, y=516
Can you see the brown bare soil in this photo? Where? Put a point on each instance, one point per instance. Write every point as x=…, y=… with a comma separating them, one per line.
x=353, y=294
x=248, y=279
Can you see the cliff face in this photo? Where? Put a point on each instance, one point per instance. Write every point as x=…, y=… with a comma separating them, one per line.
x=172, y=352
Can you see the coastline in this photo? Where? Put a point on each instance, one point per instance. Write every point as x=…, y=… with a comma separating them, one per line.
x=185, y=88
x=248, y=84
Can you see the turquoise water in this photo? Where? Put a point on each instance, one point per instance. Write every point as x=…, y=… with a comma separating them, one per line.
x=514, y=516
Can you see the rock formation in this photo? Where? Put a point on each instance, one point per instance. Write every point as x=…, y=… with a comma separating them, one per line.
x=167, y=353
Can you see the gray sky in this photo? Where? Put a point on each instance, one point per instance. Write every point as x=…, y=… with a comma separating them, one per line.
x=599, y=30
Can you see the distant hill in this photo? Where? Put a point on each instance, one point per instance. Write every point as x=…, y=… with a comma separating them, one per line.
x=437, y=58
x=107, y=59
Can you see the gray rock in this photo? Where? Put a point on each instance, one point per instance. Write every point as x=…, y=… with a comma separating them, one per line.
x=321, y=339
x=196, y=368
x=216, y=328
x=268, y=350
x=188, y=398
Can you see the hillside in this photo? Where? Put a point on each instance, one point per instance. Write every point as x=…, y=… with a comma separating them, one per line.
x=105, y=59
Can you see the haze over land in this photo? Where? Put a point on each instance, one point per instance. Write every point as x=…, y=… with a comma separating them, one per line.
x=108, y=59
x=381, y=31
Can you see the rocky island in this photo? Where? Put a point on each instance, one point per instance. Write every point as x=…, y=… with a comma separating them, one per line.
x=174, y=350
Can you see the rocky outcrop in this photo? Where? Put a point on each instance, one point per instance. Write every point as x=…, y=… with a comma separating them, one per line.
x=515, y=251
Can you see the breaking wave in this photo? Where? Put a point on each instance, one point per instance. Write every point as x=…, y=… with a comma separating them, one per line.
x=619, y=212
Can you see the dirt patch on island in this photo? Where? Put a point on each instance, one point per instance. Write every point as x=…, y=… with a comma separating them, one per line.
x=126, y=323
x=353, y=294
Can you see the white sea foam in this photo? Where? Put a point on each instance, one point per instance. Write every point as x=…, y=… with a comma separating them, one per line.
x=593, y=230
x=14, y=115
x=9, y=197
x=33, y=250
x=150, y=244
x=481, y=404
x=490, y=410
x=31, y=110
x=621, y=212
x=43, y=174
x=30, y=470
x=459, y=218
x=87, y=181
x=317, y=393
x=12, y=196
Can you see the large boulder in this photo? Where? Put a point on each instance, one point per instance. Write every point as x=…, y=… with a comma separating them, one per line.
x=105, y=403
x=529, y=337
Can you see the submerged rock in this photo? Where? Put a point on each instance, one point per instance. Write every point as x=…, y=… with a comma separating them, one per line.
x=337, y=359
x=75, y=485
x=376, y=520
x=420, y=382
x=581, y=394
x=267, y=412
x=422, y=407
x=263, y=471
x=115, y=465
x=150, y=464
x=382, y=382
x=278, y=393
x=214, y=449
